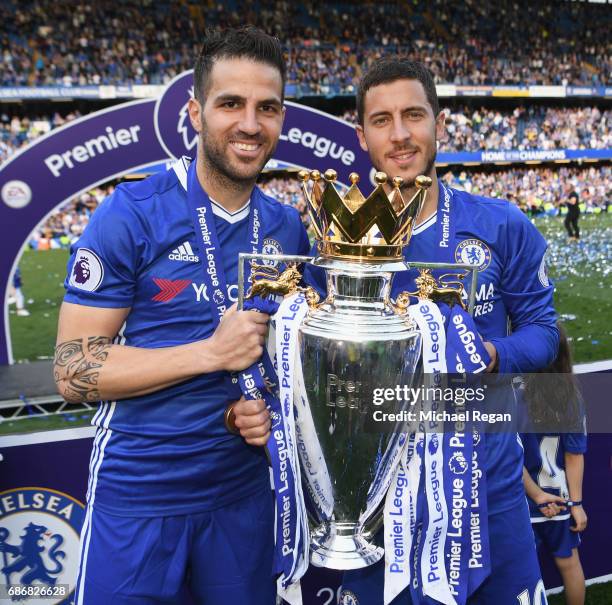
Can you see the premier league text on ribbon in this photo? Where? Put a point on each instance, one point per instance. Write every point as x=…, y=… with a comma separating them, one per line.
x=283, y=454
x=278, y=435
x=397, y=512
x=209, y=254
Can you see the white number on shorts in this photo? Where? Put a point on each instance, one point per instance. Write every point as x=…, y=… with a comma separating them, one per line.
x=329, y=593
x=539, y=595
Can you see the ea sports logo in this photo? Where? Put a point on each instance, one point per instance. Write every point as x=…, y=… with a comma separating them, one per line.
x=39, y=541
x=172, y=125
x=16, y=194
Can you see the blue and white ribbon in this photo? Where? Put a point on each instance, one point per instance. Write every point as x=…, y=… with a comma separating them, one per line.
x=400, y=520
x=434, y=581
x=437, y=483
x=287, y=320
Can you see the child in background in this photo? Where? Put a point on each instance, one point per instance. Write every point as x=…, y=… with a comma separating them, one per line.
x=554, y=467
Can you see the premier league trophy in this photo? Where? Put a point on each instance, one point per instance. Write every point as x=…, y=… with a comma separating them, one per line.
x=353, y=344
x=355, y=341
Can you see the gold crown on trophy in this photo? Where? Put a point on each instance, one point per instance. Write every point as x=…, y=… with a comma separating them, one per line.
x=359, y=228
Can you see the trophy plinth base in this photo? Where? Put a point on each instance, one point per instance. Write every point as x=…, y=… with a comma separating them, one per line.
x=339, y=546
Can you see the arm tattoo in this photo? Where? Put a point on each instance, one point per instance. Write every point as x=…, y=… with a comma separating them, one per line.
x=77, y=365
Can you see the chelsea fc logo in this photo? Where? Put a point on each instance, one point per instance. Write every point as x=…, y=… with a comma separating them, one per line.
x=271, y=246
x=39, y=543
x=473, y=252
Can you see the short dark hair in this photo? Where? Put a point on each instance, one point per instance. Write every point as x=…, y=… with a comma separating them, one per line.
x=390, y=69
x=247, y=42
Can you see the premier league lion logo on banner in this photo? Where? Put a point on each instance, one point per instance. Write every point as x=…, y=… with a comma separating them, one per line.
x=39, y=543
x=178, y=137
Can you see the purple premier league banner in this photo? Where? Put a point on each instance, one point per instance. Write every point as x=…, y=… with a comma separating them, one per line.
x=112, y=142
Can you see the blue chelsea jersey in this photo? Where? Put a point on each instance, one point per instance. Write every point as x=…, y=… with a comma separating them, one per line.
x=169, y=452
x=514, y=297
x=513, y=310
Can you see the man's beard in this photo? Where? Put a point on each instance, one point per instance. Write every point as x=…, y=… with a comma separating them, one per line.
x=216, y=160
x=431, y=161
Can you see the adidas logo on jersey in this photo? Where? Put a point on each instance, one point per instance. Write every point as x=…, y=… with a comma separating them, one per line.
x=184, y=253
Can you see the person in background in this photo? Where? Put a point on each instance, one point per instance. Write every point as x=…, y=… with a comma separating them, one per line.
x=16, y=295
x=573, y=214
x=554, y=467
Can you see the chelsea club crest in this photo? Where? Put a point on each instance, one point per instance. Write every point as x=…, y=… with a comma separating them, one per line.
x=39, y=544
x=271, y=246
x=473, y=252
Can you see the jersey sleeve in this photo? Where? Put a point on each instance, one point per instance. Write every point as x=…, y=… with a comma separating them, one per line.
x=103, y=261
x=574, y=443
x=527, y=294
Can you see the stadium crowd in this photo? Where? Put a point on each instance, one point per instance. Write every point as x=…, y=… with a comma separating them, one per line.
x=327, y=47
x=89, y=43
x=529, y=128
x=67, y=223
x=532, y=127
x=17, y=132
x=534, y=190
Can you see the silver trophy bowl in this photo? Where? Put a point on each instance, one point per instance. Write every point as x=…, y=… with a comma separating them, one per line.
x=353, y=343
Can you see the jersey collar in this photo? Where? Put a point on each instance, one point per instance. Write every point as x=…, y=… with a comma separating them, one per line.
x=426, y=224
x=180, y=168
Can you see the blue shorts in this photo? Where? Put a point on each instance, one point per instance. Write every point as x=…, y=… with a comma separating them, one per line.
x=17, y=279
x=515, y=570
x=212, y=558
x=556, y=537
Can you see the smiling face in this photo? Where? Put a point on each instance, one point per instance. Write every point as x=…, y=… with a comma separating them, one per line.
x=241, y=119
x=400, y=130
